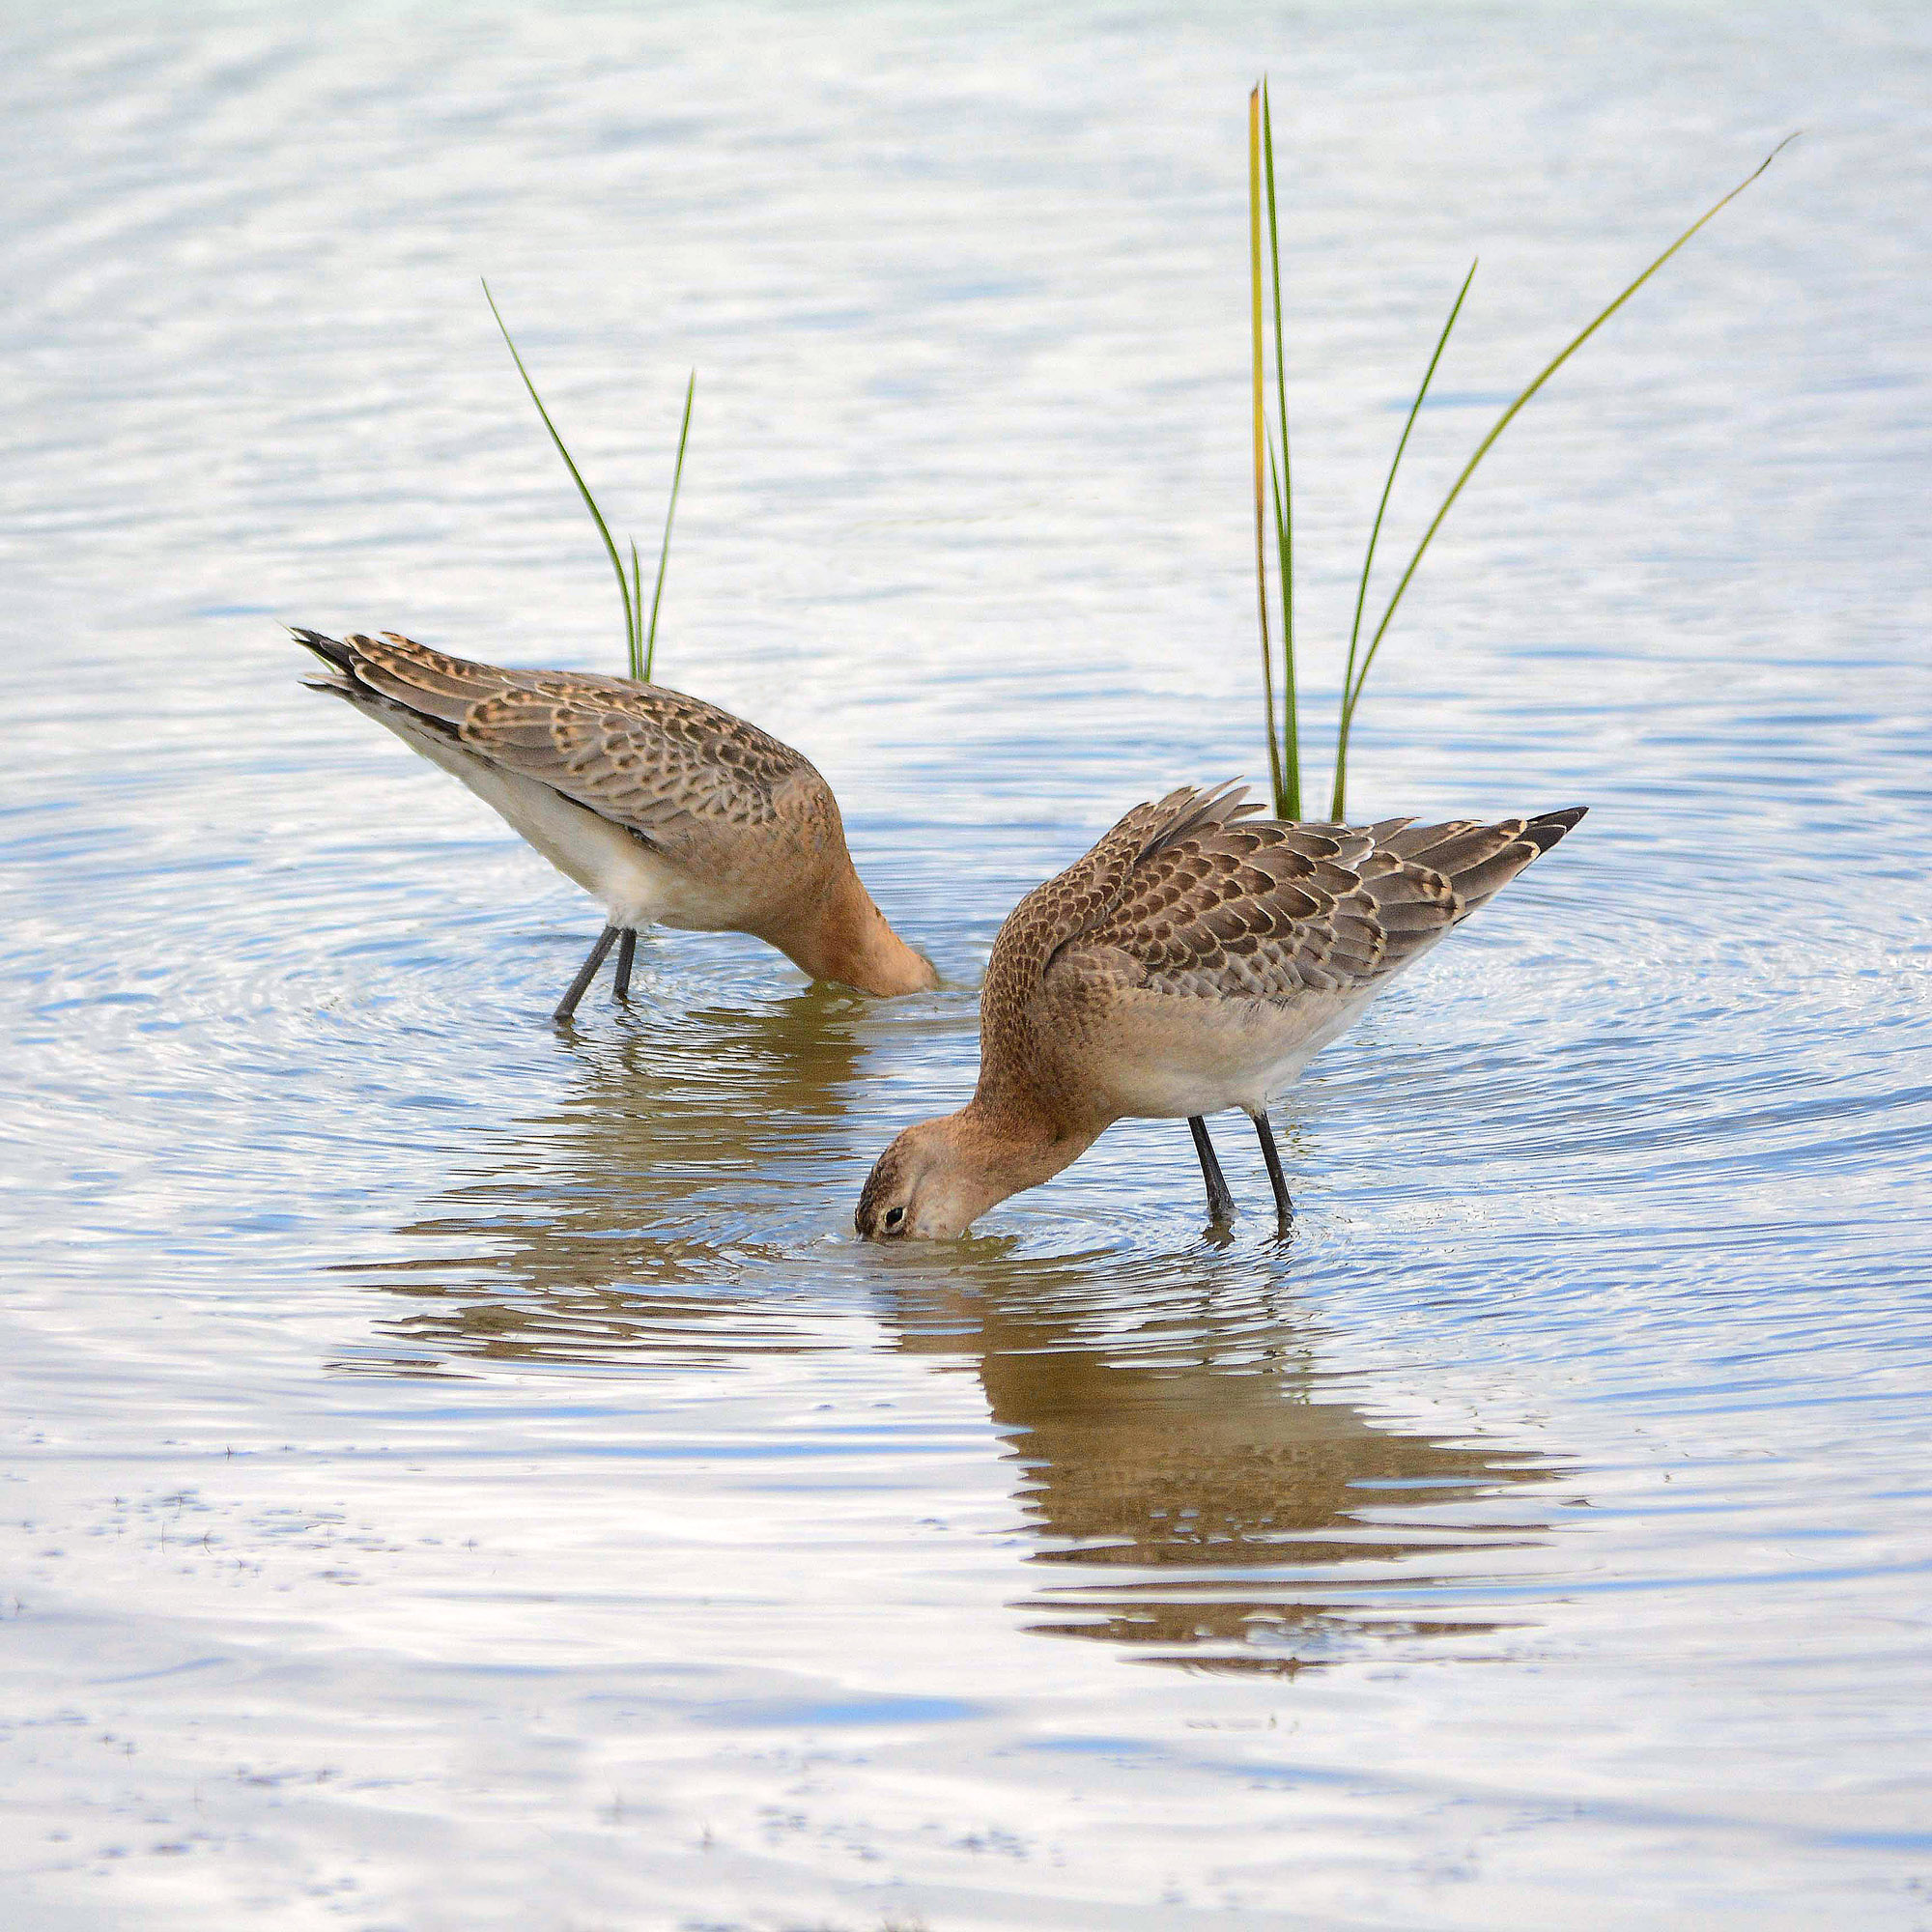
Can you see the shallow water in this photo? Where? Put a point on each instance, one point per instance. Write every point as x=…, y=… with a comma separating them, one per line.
x=460, y=1475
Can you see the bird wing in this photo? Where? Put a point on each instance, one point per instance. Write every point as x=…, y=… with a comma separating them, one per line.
x=658, y=762
x=1268, y=910
x=1195, y=897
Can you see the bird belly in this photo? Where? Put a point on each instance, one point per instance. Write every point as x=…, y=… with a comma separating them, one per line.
x=1168, y=1056
x=638, y=884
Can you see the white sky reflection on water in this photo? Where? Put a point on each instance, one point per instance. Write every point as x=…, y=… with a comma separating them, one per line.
x=457, y=1477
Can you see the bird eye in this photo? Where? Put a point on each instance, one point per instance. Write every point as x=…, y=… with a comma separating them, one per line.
x=895, y=1217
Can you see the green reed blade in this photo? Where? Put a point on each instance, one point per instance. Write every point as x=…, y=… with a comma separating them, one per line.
x=1351, y=698
x=1337, y=803
x=583, y=488
x=1289, y=806
x=1288, y=803
x=639, y=666
x=1261, y=446
x=664, y=554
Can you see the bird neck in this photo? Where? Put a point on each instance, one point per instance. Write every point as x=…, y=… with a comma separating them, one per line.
x=1010, y=1145
x=848, y=939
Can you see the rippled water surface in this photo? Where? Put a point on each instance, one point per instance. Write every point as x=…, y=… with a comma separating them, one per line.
x=459, y=1474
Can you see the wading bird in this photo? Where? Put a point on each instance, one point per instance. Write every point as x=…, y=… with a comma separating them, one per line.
x=1196, y=959
x=669, y=809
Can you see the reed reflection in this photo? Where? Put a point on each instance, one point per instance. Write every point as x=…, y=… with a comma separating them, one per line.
x=643, y=1220
x=1179, y=1438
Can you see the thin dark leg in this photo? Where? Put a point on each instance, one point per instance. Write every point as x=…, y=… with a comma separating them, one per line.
x=627, y=950
x=1284, y=1207
x=585, y=973
x=1220, y=1202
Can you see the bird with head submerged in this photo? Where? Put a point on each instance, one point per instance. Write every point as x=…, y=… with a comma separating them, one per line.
x=1196, y=959
x=669, y=809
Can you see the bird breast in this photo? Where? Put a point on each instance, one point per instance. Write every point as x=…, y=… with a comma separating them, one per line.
x=639, y=884
x=1153, y=1054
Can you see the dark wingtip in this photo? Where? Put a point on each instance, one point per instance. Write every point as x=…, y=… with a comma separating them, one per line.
x=1547, y=827
x=331, y=650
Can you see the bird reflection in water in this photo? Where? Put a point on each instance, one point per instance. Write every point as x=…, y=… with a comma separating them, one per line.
x=643, y=1219
x=1211, y=1495
x=1178, y=1437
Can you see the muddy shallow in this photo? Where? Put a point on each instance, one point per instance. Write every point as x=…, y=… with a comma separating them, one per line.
x=458, y=1475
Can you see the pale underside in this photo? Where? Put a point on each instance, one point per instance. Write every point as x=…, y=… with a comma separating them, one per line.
x=638, y=884
x=1170, y=1056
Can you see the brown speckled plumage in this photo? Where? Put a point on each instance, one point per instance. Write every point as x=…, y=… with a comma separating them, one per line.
x=1193, y=960
x=730, y=830
x=644, y=756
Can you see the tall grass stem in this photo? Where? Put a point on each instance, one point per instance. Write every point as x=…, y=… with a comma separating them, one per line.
x=664, y=552
x=1353, y=698
x=1275, y=775
x=631, y=613
x=1289, y=805
x=640, y=666
x=1338, y=802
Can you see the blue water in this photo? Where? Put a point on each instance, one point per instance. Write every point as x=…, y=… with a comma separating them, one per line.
x=457, y=1475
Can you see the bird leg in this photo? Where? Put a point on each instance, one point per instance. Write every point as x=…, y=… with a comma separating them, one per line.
x=627, y=950
x=1284, y=1207
x=585, y=973
x=1220, y=1202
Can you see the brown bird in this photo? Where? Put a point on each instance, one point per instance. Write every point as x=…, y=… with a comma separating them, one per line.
x=1196, y=959
x=669, y=809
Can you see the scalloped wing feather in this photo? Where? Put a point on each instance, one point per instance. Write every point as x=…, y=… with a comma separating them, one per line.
x=1058, y=912
x=644, y=756
x=1195, y=897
